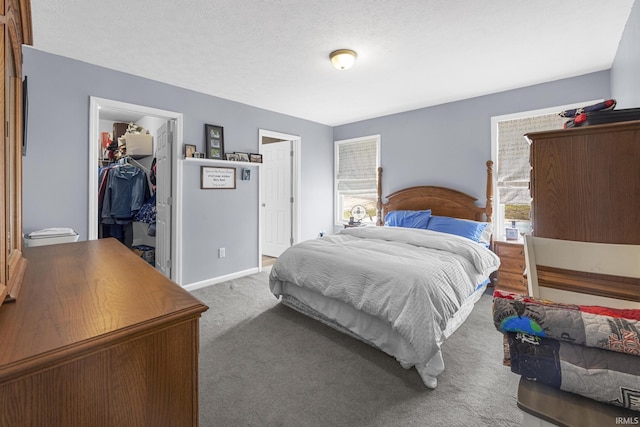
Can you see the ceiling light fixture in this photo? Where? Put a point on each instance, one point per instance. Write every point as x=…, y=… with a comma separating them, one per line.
x=343, y=59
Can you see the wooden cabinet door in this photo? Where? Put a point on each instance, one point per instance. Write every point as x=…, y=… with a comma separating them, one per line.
x=586, y=183
x=15, y=26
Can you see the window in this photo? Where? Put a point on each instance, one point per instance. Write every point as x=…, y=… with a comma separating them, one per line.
x=356, y=179
x=511, y=156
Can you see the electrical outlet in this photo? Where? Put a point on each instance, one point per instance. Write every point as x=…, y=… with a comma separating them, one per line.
x=221, y=253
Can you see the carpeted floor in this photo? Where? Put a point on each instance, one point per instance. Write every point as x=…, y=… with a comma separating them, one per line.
x=263, y=364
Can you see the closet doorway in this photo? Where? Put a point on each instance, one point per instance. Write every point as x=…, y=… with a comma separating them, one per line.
x=279, y=194
x=162, y=248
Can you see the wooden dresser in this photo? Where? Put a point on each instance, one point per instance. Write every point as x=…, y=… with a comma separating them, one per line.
x=510, y=275
x=585, y=183
x=98, y=338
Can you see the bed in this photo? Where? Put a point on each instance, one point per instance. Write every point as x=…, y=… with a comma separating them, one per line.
x=403, y=290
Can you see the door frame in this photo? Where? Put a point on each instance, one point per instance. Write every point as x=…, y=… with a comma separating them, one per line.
x=97, y=104
x=296, y=190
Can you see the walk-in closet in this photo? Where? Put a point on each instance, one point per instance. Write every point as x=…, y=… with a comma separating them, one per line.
x=127, y=181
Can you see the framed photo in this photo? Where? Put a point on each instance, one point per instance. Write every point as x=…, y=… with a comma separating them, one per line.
x=217, y=178
x=242, y=157
x=246, y=174
x=214, y=142
x=189, y=150
x=511, y=233
x=232, y=156
x=255, y=158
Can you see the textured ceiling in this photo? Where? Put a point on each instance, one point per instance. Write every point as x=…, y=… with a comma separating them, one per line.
x=273, y=54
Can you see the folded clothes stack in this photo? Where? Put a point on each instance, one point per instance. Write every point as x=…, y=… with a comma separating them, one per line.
x=587, y=350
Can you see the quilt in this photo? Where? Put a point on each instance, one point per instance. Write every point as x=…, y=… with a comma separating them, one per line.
x=603, y=375
x=415, y=280
x=586, y=325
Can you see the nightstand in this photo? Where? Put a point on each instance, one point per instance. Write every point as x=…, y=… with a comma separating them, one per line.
x=510, y=275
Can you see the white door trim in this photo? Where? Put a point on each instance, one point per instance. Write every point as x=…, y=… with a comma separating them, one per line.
x=176, y=209
x=295, y=179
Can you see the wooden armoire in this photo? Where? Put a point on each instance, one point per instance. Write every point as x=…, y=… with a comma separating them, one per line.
x=585, y=183
x=585, y=186
x=15, y=21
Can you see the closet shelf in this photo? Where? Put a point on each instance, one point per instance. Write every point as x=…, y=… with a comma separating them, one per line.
x=220, y=162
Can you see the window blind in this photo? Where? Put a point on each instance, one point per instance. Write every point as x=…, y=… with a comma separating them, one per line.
x=357, y=167
x=513, y=156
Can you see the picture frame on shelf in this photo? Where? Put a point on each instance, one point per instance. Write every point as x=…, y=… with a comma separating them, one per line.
x=255, y=158
x=189, y=150
x=231, y=157
x=217, y=178
x=242, y=157
x=511, y=233
x=214, y=141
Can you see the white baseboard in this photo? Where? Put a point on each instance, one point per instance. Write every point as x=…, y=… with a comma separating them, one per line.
x=204, y=283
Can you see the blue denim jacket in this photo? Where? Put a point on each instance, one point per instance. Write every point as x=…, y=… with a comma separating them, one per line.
x=125, y=194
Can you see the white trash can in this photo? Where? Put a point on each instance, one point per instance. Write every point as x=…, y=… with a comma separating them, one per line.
x=50, y=236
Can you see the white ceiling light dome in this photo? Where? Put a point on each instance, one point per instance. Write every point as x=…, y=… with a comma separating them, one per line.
x=343, y=59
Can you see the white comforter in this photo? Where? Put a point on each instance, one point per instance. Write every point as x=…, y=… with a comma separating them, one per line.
x=414, y=279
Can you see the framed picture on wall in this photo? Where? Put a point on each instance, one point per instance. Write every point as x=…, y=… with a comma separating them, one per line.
x=214, y=178
x=214, y=141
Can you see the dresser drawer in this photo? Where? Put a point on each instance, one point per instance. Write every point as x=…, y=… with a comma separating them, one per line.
x=512, y=265
x=513, y=282
x=509, y=250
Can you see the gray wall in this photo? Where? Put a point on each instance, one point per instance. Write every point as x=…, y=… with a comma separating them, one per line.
x=449, y=144
x=441, y=145
x=626, y=66
x=55, y=169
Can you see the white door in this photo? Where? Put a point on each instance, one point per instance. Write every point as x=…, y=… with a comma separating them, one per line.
x=277, y=197
x=164, y=139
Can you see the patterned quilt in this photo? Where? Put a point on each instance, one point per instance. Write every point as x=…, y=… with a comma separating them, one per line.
x=602, y=375
x=587, y=325
x=588, y=350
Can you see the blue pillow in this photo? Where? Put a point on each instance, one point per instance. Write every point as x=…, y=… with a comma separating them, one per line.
x=409, y=219
x=460, y=227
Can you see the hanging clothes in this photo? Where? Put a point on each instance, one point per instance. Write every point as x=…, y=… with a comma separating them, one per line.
x=103, y=175
x=147, y=214
x=125, y=192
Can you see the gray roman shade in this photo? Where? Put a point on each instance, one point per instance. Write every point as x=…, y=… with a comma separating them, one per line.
x=513, y=156
x=357, y=167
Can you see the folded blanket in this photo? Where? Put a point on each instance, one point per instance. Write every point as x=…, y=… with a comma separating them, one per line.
x=598, y=374
x=591, y=326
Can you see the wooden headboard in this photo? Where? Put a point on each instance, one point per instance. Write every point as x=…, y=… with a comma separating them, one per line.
x=441, y=200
